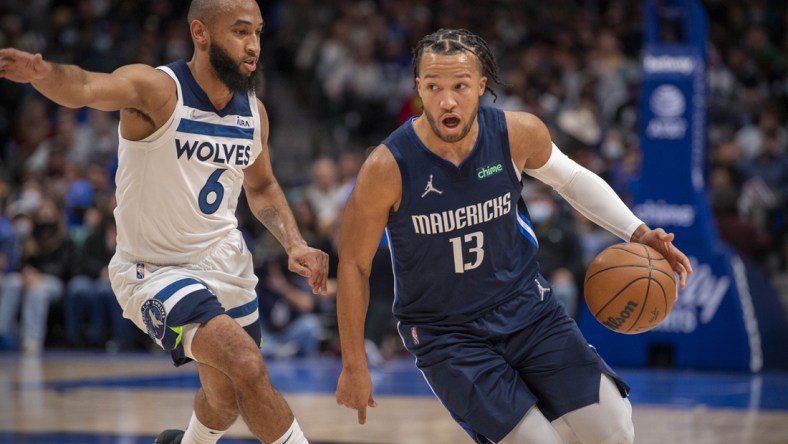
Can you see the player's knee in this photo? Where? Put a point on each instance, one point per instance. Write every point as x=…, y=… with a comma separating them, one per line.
x=226, y=404
x=622, y=430
x=625, y=434
x=533, y=428
x=606, y=422
x=223, y=401
x=247, y=365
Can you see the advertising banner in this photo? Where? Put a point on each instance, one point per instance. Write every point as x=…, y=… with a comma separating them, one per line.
x=715, y=322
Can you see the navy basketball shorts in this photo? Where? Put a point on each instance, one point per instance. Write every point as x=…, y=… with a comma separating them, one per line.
x=490, y=371
x=170, y=302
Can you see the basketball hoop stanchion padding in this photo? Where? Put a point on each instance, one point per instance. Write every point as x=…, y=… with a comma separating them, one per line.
x=717, y=321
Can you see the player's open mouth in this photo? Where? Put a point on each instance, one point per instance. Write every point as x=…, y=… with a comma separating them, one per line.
x=451, y=122
x=251, y=65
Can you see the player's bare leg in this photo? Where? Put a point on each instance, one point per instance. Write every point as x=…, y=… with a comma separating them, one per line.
x=223, y=345
x=215, y=403
x=215, y=410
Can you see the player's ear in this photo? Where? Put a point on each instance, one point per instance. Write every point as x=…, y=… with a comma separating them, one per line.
x=482, y=85
x=418, y=86
x=199, y=32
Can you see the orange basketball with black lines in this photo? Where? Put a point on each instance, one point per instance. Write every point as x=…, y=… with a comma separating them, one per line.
x=630, y=288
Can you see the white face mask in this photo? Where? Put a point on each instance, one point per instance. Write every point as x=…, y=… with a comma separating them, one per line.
x=23, y=227
x=612, y=149
x=539, y=212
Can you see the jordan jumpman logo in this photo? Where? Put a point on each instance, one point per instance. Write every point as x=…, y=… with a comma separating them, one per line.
x=430, y=188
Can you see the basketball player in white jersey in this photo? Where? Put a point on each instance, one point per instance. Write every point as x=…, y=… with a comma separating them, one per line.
x=192, y=135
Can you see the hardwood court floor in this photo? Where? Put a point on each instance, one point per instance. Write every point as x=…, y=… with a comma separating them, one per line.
x=85, y=398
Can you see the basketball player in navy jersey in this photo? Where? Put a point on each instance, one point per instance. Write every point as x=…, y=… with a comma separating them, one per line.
x=496, y=347
x=192, y=135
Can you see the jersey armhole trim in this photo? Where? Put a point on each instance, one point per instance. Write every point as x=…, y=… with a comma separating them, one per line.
x=169, y=123
x=403, y=174
x=257, y=139
x=506, y=149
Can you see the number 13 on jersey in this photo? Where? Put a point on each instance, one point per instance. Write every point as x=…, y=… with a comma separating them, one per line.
x=468, y=247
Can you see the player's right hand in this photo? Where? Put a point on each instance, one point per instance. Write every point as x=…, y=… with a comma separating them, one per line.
x=662, y=241
x=354, y=390
x=312, y=264
x=22, y=67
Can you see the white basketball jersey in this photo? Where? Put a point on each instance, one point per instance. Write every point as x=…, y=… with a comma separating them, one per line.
x=177, y=189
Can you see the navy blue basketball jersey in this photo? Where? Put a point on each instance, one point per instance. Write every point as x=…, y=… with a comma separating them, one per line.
x=461, y=240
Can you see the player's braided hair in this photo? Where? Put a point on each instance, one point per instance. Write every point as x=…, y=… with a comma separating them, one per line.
x=452, y=41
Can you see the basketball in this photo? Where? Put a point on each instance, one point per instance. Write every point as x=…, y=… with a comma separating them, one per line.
x=630, y=288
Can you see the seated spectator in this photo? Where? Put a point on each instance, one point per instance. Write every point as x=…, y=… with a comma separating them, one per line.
x=737, y=230
x=7, y=237
x=291, y=326
x=90, y=299
x=15, y=227
x=325, y=194
x=45, y=265
x=560, y=253
x=766, y=188
x=78, y=199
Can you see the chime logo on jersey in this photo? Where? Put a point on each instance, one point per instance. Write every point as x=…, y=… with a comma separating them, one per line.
x=487, y=171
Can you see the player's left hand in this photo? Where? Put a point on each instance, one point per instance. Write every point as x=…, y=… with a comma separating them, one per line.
x=23, y=67
x=312, y=264
x=662, y=241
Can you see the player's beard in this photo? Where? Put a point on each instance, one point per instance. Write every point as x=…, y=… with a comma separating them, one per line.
x=456, y=138
x=229, y=72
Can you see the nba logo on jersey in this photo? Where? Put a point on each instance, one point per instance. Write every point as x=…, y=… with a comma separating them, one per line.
x=415, y=335
x=140, y=271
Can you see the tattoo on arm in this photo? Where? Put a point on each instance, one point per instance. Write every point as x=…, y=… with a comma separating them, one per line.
x=269, y=216
x=141, y=115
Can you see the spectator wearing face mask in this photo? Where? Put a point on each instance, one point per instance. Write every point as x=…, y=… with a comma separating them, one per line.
x=45, y=263
x=560, y=253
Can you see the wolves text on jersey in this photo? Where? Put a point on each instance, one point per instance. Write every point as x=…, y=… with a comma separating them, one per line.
x=213, y=152
x=467, y=216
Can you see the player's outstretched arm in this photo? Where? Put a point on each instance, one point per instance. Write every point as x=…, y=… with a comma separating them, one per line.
x=268, y=203
x=533, y=150
x=377, y=192
x=74, y=87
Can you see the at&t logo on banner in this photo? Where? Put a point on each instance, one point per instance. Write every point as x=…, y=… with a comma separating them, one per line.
x=668, y=105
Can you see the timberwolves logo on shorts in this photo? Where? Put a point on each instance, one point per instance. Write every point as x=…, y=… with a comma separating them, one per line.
x=155, y=318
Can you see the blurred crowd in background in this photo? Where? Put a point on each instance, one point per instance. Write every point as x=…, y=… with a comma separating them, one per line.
x=344, y=68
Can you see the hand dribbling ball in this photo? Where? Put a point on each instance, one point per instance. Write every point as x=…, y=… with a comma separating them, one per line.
x=630, y=288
